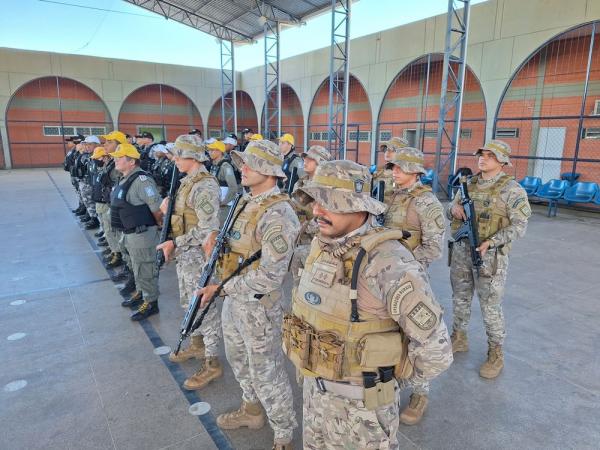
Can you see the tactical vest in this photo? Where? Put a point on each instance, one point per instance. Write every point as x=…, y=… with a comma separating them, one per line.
x=69, y=159
x=490, y=210
x=401, y=215
x=102, y=184
x=82, y=165
x=123, y=215
x=184, y=218
x=242, y=242
x=215, y=171
x=323, y=337
x=94, y=167
x=287, y=162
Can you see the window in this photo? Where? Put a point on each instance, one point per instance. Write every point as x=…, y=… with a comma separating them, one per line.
x=466, y=133
x=590, y=133
x=51, y=131
x=385, y=136
x=214, y=133
x=596, y=111
x=507, y=133
x=319, y=136
x=98, y=131
x=69, y=131
x=361, y=136
x=431, y=134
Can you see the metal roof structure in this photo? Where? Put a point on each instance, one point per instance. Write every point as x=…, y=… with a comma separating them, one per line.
x=239, y=21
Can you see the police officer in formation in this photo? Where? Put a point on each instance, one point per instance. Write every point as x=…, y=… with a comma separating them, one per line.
x=502, y=211
x=69, y=165
x=86, y=171
x=364, y=322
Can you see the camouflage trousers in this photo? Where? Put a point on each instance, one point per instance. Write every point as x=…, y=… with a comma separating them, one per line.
x=489, y=286
x=335, y=422
x=103, y=211
x=252, y=336
x=141, y=248
x=86, y=195
x=189, y=267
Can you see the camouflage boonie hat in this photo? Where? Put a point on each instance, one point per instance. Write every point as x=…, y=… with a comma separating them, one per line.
x=261, y=156
x=409, y=159
x=499, y=148
x=189, y=146
x=318, y=153
x=395, y=144
x=341, y=186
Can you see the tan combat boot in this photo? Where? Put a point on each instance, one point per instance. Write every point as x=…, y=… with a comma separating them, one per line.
x=459, y=341
x=279, y=444
x=211, y=370
x=194, y=350
x=494, y=364
x=413, y=413
x=249, y=415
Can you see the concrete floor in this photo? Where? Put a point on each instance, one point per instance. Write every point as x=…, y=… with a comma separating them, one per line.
x=75, y=373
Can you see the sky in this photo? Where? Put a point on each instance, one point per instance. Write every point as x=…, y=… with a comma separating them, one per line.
x=116, y=29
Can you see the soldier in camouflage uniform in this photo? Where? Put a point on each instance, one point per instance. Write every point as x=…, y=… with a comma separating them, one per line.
x=252, y=310
x=364, y=320
x=315, y=156
x=414, y=208
x=195, y=217
x=85, y=186
x=384, y=173
x=502, y=211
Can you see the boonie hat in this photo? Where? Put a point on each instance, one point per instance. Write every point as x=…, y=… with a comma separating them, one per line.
x=261, y=156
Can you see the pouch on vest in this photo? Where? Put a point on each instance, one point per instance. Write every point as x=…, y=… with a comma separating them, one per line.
x=327, y=355
x=177, y=225
x=296, y=340
x=404, y=370
x=380, y=350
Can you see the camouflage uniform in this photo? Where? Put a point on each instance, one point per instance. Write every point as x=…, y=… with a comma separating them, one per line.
x=252, y=311
x=502, y=211
x=385, y=173
x=85, y=188
x=393, y=294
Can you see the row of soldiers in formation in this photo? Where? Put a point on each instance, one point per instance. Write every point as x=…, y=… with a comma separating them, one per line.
x=363, y=322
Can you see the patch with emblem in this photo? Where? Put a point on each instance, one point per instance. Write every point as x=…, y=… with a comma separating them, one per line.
x=312, y=297
x=206, y=206
x=272, y=231
x=518, y=202
x=150, y=192
x=439, y=221
x=422, y=316
x=279, y=244
x=358, y=185
x=398, y=295
x=525, y=210
x=323, y=274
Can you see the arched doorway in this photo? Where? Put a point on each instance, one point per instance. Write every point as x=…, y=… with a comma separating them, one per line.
x=550, y=110
x=358, y=140
x=44, y=111
x=292, y=119
x=164, y=111
x=246, y=116
x=411, y=108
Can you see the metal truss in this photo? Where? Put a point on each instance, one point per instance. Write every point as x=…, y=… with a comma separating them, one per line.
x=272, y=108
x=451, y=98
x=228, y=88
x=339, y=76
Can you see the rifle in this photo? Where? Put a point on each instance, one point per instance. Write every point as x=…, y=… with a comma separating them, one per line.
x=188, y=319
x=292, y=181
x=468, y=229
x=164, y=232
x=379, y=194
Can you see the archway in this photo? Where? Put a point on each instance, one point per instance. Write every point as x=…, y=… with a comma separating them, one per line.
x=246, y=116
x=292, y=119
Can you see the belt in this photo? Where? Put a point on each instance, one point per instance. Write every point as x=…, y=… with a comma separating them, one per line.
x=347, y=390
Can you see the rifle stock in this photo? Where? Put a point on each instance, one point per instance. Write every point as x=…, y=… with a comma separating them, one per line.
x=194, y=306
x=164, y=232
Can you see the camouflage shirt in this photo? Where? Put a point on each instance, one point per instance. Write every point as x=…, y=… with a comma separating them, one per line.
x=277, y=231
x=393, y=284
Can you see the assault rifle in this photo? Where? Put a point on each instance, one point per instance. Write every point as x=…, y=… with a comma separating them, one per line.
x=379, y=194
x=468, y=229
x=190, y=315
x=164, y=232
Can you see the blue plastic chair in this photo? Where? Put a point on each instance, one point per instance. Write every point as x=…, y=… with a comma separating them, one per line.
x=531, y=184
x=582, y=192
x=597, y=198
x=428, y=177
x=571, y=177
x=552, y=191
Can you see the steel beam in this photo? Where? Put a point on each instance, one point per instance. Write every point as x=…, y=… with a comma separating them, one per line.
x=272, y=107
x=339, y=77
x=228, y=89
x=451, y=98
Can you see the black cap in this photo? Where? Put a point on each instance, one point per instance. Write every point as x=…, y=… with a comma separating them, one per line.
x=247, y=130
x=128, y=136
x=145, y=134
x=77, y=138
x=196, y=131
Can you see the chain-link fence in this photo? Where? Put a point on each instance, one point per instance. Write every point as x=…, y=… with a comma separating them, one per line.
x=43, y=112
x=161, y=110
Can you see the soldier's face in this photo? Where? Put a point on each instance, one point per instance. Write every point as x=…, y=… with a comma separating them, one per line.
x=402, y=178
x=251, y=177
x=487, y=161
x=184, y=164
x=310, y=165
x=334, y=225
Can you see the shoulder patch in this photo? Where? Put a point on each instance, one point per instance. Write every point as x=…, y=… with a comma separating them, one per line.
x=150, y=192
x=422, y=316
x=206, y=206
x=398, y=295
x=278, y=243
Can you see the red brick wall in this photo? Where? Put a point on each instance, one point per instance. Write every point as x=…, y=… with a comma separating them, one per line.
x=246, y=114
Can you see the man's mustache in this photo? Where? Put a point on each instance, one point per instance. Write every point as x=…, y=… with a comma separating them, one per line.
x=323, y=219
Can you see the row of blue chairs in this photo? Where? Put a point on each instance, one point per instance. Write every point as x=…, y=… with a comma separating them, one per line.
x=555, y=190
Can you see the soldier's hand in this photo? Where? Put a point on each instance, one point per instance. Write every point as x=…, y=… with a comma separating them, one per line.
x=206, y=293
x=209, y=243
x=458, y=212
x=164, y=205
x=484, y=247
x=167, y=248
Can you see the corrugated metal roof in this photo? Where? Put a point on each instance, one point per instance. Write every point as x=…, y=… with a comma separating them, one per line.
x=235, y=20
